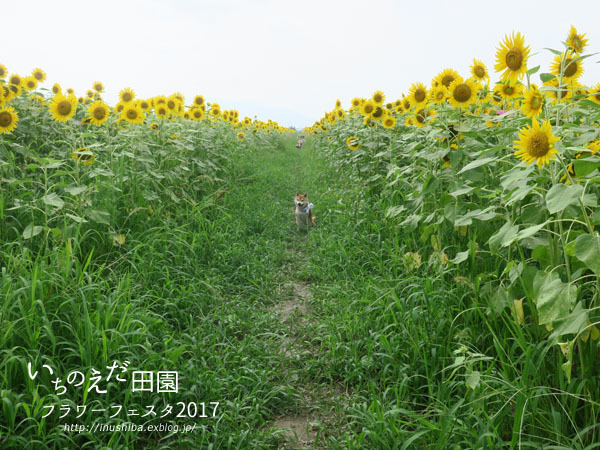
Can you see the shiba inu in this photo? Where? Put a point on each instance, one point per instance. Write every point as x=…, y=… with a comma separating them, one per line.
x=303, y=211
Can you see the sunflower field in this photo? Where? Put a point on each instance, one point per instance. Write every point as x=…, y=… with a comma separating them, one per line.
x=493, y=188
x=448, y=297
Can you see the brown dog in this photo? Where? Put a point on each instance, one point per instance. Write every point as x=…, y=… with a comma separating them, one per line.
x=303, y=211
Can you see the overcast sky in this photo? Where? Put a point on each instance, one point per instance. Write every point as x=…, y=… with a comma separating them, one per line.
x=277, y=59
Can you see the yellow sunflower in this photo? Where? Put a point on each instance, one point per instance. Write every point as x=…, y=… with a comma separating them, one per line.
x=420, y=117
x=14, y=90
x=98, y=113
x=575, y=41
x=418, y=95
x=161, y=111
x=446, y=77
x=70, y=91
x=572, y=70
x=198, y=100
x=197, y=114
x=241, y=136
x=8, y=120
x=536, y=143
x=368, y=108
x=30, y=83
x=126, y=95
x=511, y=58
x=83, y=156
x=89, y=93
x=39, y=75
x=3, y=71
x=144, y=104
x=379, y=113
x=133, y=113
x=355, y=102
x=406, y=105
x=508, y=91
x=98, y=87
x=533, y=102
x=352, y=143
x=56, y=89
x=389, y=122
x=463, y=93
x=479, y=71
x=378, y=97
x=438, y=94
x=15, y=79
x=63, y=108
x=594, y=94
x=215, y=110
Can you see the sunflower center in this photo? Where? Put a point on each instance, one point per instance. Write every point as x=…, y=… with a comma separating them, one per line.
x=479, y=71
x=64, y=107
x=420, y=116
x=538, y=145
x=536, y=102
x=38, y=76
x=171, y=104
x=514, y=59
x=99, y=113
x=462, y=93
x=378, y=112
x=419, y=95
x=447, y=80
x=369, y=109
x=377, y=98
x=570, y=67
x=577, y=44
x=5, y=119
x=132, y=114
x=509, y=90
x=439, y=95
x=197, y=114
x=127, y=97
x=15, y=80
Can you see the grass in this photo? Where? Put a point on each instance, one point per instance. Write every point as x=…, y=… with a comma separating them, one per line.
x=422, y=362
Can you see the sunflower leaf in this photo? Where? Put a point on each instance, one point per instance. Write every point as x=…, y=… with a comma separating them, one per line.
x=587, y=250
x=545, y=77
x=560, y=196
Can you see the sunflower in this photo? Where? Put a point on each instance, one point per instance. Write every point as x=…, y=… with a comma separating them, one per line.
x=410, y=121
x=594, y=94
x=446, y=77
x=379, y=113
x=98, y=87
x=15, y=79
x=56, y=89
x=536, y=143
x=367, y=108
x=533, y=102
x=565, y=91
x=8, y=120
x=572, y=69
x=576, y=41
x=508, y=91
x=98, y=113
x=144, y=104
x=197, y=114
x=438, y=94
x=241, y=136
x=511, y=58
x=39, y=75
x=479, y=71
x=378, y=97
x=417, y=95
x=161, y=111
x=127, y=95
x=198, y=100
x=352, y=143
x=70, y=91
x=463, y=93
x=355, y=102
x=420, y=117
x=3, y=71
x=30, y=83
x=83, y=156
x=63, y=108
x=160, y=100
x=14, y=90
x=406, y=105
x=172, y=103
x=389, y=122
x=132, y=113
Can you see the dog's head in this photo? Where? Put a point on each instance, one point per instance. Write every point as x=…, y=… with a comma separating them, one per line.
x=301, y=200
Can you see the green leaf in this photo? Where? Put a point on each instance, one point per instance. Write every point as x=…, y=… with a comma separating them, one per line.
x=75, y=190
x=530, y=231
x=573, y=323
x=477, y=163
x=393, y=211
x=31, y=230
x=76, y=218
x=560, y=196
x=472, y=379
x=496, y=239
x=53, y=200
x=460, y=257
x=587, y=250
x=545, y=77
x=411, y=221
x=533, y=70
x=99, y=216
x=553, y=298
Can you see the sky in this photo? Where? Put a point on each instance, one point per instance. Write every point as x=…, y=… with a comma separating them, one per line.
x=282, y=60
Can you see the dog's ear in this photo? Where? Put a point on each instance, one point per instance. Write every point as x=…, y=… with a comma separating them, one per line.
x=297, y=193
x=306, y=194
